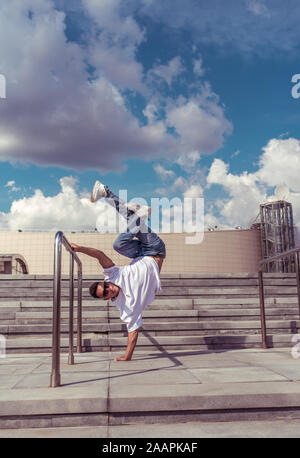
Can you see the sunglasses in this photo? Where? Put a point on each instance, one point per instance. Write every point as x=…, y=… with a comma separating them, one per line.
x=105, y=289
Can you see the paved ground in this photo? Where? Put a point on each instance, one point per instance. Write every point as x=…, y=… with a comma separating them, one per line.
x=211, y=381
x=237, y=429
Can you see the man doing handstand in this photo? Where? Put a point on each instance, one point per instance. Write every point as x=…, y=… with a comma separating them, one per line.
x=132, y=287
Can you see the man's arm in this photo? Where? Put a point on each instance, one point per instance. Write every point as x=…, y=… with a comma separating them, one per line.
x=132, y=340
x=104, y=260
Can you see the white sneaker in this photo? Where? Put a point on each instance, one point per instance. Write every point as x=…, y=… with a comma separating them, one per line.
x=98, y=191
x=142, y=211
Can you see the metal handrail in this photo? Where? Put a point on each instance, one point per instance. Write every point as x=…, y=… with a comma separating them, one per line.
x=60, y=240
x=295, y=252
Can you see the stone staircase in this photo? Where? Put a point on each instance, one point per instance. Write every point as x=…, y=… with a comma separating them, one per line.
x=188, y=366
x=192, y=312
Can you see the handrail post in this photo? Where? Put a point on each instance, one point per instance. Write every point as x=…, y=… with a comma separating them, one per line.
x=298, y=278
x=262, y=309
x=79, y=310
x=59, y=241
x=55, y=374
x=71, y=314
x=293, y=252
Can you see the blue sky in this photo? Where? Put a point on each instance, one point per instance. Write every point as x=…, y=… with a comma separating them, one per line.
x=163, y=99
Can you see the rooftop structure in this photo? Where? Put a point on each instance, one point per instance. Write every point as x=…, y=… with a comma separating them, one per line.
x=277, y=234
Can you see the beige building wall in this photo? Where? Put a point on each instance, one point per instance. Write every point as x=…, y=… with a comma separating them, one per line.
x=231, y=251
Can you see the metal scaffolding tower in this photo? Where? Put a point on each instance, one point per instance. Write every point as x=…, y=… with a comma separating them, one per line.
x=277, y=234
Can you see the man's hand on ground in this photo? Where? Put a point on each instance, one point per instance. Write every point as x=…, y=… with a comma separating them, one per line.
x=122, y=358
x=132, y=340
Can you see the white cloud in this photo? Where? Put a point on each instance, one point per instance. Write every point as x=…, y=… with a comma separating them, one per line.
x=235, y=154
x=163, y=173
x=178, y=186
x=198, y=67
x=53, y=114
x=212, y=222
x=56, y=114
x=118, y=66
x=168, y=72
x=65, y=211
x=239, y=204
x=199, y=122
x=240, y=26
x=188, y=161
x=188, y=187
x=161, y=191
x=257, y=7
x=193, y=192
x=151, y=112
x=11, y=185
x=113, y=54
x=70, y=211
x=279, y=164
x=119, y=29
x=245, y=194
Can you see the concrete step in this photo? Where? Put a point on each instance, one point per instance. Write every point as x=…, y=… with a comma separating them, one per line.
x=46, y=281
x=159, y=302
x=94, y=316
x=162, y=327
x=171, y=291
x=268, y=306
x=146, y=341
x=93, y=304
x=94, y=277
x=251, y=429
x=26, y=281
x=246, y=313
x=170, y=315
x=189, y=307
x=167, y=290
x=186, y=315
x=291, y=299
x=159, y=313
x=155, y=387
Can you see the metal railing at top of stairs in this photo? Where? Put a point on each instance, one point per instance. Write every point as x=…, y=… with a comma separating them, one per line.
x=293, y=252
x=60, y=240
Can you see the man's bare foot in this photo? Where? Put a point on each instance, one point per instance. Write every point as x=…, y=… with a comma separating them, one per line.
x=122, y=358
